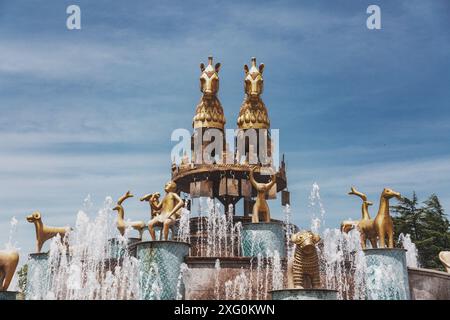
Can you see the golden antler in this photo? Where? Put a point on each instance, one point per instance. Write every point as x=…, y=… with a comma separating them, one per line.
x=357, y=193
x=124, y=197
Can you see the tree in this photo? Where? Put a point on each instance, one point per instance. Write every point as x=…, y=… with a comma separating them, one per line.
x=22, y=277
x=427, y=225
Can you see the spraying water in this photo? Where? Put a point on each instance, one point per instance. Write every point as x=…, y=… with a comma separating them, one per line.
x=411, y=250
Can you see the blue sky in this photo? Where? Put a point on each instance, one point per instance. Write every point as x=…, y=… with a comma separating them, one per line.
x=91, y=111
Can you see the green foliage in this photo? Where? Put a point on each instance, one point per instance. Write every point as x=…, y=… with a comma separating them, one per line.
x=428, y=226
x=22, y=277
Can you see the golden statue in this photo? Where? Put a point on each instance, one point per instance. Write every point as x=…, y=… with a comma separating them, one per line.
x=253, y=113
x=303, y=270
x=444, y=256
x=8, y=264
x=379, y=228
x=43, y=232
x=261, y=208
x=121, y=223
x=365, y=225
x=209, y=111
x=168, y=210
x=153, y=200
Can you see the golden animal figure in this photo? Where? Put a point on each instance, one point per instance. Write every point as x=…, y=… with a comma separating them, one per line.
x=379, y=228
x=43, y=232
x=209, y=111
x=122, y=225
x=382, y=224
x=253, y=112
x=444, y=256
x=153, y=200
x=303, y=269
x=169, y=211
x=365, y=225
x=261, y=208
x=8, y=264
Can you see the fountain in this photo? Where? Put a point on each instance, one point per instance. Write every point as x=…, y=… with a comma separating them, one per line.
x=9, y=259
x=201, y=248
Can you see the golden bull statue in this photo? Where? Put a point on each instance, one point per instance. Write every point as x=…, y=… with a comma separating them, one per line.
x=8, y=264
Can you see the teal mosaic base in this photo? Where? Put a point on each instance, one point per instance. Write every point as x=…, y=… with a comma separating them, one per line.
x=304, y=294
x=386, y=275
x=37, y=276
x=11, y=295
x=159, y=268
x=263, y=238
x=116, y=250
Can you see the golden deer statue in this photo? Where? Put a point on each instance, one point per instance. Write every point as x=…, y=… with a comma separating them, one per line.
x=8, y=264
x=379, y=228
x=364, y=225
x=121, y=223
x=43, y=232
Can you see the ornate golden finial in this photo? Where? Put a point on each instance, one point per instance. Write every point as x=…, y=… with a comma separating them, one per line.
x=209, y=111
x=8, y=264
x=253, y=113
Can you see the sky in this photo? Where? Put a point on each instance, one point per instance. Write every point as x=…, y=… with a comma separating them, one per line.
x=91, y=111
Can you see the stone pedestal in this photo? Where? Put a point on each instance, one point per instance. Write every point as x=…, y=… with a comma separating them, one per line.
x=386, y=274
x=38, y=276
x=11, y=295
x=116, y=249
x=263, y=238
x=304, y=294
x=159, y=269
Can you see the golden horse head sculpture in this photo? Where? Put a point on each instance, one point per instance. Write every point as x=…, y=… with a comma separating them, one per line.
x=254, y=82
x=209, y=78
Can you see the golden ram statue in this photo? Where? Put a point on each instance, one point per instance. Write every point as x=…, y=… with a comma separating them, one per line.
x=43, y=232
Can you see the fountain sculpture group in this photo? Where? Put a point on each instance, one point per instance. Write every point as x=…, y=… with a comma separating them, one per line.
x=260, y=238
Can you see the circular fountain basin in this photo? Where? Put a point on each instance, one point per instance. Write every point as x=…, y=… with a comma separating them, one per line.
x=116, y=249
x=263, y=239
x=11, y=295
x=159, y=269
x=304, y=294
x=386, y=274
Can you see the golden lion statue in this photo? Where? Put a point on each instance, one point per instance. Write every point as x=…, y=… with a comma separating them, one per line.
x=303, y=270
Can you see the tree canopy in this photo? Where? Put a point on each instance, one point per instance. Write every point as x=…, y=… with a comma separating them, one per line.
x=427, y=225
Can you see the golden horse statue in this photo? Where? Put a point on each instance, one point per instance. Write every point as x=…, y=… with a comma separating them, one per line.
x=379, y=228
x=8, y=264
x=121, y=223
x=261, y=208
x=43, y=232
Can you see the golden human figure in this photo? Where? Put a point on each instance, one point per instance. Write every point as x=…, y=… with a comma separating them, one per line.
x=169, y=208
x=8, y=264
x=261, y=207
